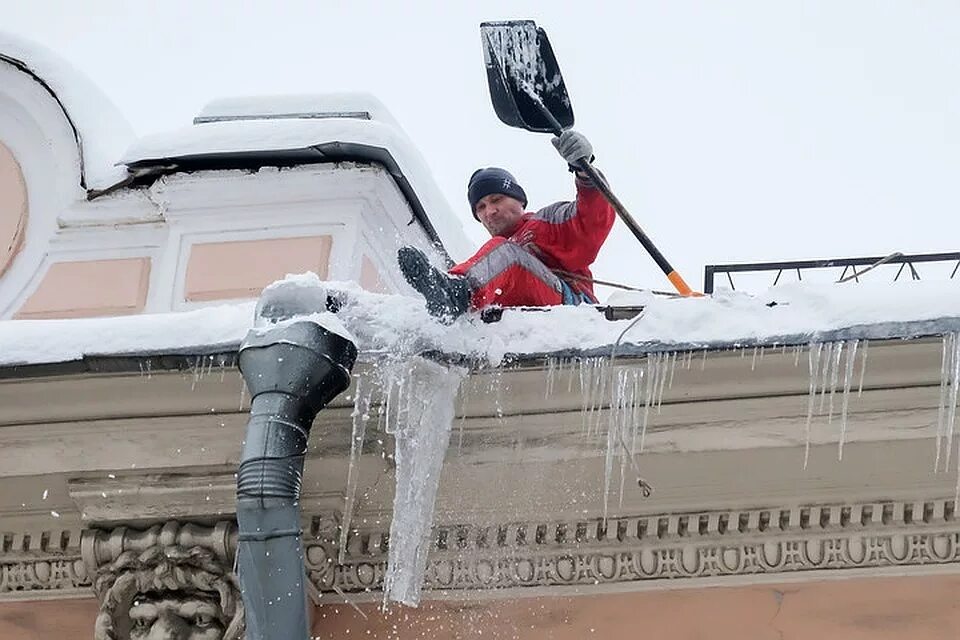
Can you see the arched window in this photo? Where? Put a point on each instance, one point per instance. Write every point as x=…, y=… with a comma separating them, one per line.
x=13, y=207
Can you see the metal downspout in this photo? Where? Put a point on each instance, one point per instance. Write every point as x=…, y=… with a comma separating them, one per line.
x=292, y=372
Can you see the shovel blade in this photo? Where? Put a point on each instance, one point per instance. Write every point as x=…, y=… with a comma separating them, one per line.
x=522, y=71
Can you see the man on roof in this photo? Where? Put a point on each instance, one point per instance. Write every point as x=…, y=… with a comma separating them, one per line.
x=538, y=258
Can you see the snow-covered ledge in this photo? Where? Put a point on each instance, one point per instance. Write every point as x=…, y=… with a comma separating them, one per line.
x=783, y=316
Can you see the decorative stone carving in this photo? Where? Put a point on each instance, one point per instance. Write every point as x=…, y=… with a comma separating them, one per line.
x=45, y=562
x=712, y=546
x=172, y=582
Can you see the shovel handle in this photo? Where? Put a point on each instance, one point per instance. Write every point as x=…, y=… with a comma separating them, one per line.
x=601, y=183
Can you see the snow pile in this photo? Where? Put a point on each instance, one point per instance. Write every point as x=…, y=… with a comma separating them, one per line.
x=209, y=330
x=323, y=105
x=103, y=131
x=251, y=134
x=399, y=325
x=791, y=314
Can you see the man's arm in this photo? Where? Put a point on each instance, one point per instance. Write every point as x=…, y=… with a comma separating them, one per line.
x=573, y=232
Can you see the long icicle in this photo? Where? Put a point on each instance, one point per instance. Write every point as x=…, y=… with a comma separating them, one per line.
x=648, y=396
x=814, y=360
x=825, y=378
x=945, y=368
x=359, y=416
x=954, y=381
x=847, y=380
x=863, y=367
x=834, y=377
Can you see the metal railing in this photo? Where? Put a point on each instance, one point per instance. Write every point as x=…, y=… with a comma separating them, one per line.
x=850, y=266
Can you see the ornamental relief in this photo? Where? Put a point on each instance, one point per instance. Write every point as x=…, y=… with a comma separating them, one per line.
x=662, y=547
x=62, y=574
x=668, y=562
x=166, y=583
x=183, y=573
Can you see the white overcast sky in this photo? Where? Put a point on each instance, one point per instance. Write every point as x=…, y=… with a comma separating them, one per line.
x=734, y=131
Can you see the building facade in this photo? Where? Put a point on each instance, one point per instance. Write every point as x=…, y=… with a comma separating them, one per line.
x=775, y=512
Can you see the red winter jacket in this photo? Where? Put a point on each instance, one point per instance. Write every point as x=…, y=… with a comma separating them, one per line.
x=565, y=235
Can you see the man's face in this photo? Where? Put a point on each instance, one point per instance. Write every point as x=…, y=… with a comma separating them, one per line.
x=500, y=214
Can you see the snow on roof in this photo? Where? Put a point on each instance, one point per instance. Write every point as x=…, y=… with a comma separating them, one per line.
x=103, y=131
x=400, y=325
x=289, y=123
x=304, y=106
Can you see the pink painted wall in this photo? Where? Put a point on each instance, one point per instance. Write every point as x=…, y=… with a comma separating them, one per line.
x=370, y=277
x=48, y=620
x=230, y=270
x=921, y=608
x=13, y=208
x=90, y=288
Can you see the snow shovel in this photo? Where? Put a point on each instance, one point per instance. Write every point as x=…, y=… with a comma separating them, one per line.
x=528, y=92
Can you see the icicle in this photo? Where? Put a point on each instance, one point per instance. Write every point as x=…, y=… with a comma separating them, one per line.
x=796, y=355
x=847, y=380
x=952, y=406
x=945, y=368
x=663, y=365
x=825, y=377
x=599, y=386
x=635, y=417
x=388, y=405
x=703, y=361
x=753, y=361
x=496, y=381
x=863, y=367
x=673, y=366
x=834, y=377
x=584, y=395
x=613, y=427
x=243, y=391
x=551, y=372
x=651, y=375
x=196, y=373
x=360, y=416
x=464, y=397
x=596, y=390
x=422, y=437
x=815, y=358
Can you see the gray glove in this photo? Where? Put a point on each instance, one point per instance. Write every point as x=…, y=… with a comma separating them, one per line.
x=573, y=146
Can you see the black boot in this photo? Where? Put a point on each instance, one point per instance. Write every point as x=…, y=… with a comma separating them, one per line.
x=448, y=297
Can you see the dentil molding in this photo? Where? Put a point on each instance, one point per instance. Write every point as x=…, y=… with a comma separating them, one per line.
x=637, y=552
